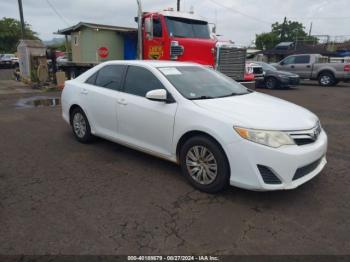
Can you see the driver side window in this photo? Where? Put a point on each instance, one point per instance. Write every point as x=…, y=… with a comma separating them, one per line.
x=157, y=28
x=288, y=60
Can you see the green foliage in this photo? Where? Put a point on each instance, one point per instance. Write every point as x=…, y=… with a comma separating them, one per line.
x=10, y=34
x=60, y=46
x=288, y=31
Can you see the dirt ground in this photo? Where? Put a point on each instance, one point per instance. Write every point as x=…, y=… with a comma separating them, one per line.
x=61, y=197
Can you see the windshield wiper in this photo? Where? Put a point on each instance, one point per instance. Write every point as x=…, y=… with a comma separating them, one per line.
x=201, y=97
x=232, y=94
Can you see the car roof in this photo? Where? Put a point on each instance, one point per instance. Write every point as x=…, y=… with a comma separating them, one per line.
x=151, y=63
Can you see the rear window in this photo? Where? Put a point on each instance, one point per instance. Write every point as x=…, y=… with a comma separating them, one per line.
x=302, y=59
x=110, y=76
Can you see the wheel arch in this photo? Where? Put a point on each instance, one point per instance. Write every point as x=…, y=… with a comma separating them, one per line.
x=189, y=134
x=325, y=71
x=72, y=107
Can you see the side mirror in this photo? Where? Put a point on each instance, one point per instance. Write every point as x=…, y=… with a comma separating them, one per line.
x=282, y=63
x=149, y=27
x=157, y=95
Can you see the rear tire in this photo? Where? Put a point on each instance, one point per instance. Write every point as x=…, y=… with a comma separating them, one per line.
x=204, y=164
x=326, y=79
x=80, y=126
x=271, y=83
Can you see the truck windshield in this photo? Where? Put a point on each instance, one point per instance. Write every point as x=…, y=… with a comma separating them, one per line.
x=181, y=27
x=195, y=82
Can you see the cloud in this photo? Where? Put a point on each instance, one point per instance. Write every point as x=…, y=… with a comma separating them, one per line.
x=232, y=25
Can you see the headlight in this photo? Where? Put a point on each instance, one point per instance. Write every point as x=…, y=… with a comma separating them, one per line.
x=269, y=138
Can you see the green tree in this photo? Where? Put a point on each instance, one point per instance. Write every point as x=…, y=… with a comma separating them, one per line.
x=10, y=34
x=287, y=31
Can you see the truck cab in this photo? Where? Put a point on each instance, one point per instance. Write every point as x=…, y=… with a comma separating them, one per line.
x=170, y=35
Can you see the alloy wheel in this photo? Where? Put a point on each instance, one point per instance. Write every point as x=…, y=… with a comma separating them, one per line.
x=79, y=125
x=201, y=164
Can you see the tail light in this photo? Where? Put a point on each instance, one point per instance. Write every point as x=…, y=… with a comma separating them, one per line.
x=347, y=68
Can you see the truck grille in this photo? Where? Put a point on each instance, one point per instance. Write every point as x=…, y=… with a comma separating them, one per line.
x=258, y=71
x=231, y=62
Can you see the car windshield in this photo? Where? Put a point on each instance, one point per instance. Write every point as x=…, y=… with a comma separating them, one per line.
x=195, y=82
x=180, y=27
x=266, y=67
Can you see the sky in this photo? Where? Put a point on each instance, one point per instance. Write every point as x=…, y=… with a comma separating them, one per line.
x=236, y=20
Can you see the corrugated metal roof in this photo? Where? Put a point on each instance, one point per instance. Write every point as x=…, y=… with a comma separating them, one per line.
x=69, y=30
x=32, y=43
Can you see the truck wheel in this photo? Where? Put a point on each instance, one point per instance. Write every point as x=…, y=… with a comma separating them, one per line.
x=326, y=79
x=271, y=83
x=204, y=164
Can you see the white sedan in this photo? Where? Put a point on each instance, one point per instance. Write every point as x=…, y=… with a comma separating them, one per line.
x=220, y=132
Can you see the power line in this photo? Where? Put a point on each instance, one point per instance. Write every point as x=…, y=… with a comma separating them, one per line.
x=241, y=13
x=57, y=13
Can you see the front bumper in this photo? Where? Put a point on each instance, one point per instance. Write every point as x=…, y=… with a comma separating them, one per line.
x=289, y=81
x=245, y=156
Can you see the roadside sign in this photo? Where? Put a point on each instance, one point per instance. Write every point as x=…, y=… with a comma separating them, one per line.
x=103, y=52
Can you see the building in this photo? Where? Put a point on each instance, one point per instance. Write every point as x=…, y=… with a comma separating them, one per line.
x=94, y=43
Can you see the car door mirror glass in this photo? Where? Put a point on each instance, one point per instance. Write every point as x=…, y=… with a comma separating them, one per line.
x=157, y=95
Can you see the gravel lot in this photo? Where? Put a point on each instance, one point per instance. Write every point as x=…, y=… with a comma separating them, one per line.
x=61, y=197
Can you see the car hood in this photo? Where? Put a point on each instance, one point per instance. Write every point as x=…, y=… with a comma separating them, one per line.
x=260, y=111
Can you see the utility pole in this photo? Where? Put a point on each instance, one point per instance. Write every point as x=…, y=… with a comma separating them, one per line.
x=22, y=19
x=310, y=29
x=178, y=5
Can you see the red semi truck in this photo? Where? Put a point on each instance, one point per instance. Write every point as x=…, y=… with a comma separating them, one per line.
x=180, y=36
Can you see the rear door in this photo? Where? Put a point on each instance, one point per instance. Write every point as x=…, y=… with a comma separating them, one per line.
x=101, y=93
x=141, y=122
x=303, y=66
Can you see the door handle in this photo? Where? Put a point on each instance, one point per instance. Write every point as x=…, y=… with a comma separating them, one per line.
x=308, y=66
x=84, y=91
x=122, y=102
x=292, y=66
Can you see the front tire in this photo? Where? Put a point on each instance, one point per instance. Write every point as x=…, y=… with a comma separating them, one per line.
x=271, y=83
x=204, y=164
x=80, y=126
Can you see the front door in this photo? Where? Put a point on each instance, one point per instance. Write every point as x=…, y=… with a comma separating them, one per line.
x=141, y=122
x=154, y=43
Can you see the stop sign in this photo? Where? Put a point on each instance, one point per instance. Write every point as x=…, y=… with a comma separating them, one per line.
x=103, y=52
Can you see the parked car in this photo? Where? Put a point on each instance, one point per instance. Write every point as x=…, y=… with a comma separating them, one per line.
x=257, y=71
x=274, y=78
x=219, y=132
x=308, y=66
x=8, y=60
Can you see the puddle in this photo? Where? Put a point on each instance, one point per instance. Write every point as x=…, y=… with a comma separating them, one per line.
x=38, y=102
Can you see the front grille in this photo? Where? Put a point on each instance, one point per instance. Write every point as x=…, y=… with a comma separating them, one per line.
x=305, y=137
x=305, y=170
x=176, y=50
x=294, y=80
x=268, y=176
x=258, y=70
x=231, y=62
x=303, y=141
